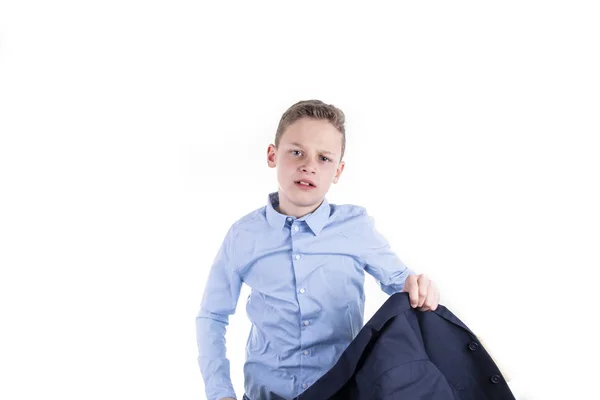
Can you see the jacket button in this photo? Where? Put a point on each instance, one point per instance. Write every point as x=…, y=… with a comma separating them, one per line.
x=473, y=346
x=495, y=378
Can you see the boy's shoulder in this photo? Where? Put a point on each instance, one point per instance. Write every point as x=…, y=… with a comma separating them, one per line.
x=252, y=217
x=347, y=210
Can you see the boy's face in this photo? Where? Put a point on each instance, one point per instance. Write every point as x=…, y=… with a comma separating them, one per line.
x=309, y=152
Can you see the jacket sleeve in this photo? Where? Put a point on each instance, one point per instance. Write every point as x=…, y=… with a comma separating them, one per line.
x=219, y=301
x=379, y=259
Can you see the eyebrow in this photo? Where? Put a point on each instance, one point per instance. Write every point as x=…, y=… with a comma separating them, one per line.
x=320, y=151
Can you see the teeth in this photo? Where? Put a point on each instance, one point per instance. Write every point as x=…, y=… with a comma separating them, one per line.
x=304, y=183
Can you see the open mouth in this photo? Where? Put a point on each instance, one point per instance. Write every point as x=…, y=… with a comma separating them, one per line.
x=304, y=184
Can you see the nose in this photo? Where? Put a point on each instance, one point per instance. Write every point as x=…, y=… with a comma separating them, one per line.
x=310, y=167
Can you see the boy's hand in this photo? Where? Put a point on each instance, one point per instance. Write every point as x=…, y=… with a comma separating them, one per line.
x=422, y=292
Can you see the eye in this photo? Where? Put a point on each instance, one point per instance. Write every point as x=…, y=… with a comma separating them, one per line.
x=325, y=158
x=295, y=152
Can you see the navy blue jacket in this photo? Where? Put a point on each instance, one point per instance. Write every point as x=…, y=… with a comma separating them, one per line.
x=406, y=354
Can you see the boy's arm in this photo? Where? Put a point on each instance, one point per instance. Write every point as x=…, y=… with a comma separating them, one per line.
x=219, y=301
x=380, y=261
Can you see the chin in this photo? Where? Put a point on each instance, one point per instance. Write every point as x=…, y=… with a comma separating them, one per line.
x=302, y=198
x=306, y=201
x=310, y=203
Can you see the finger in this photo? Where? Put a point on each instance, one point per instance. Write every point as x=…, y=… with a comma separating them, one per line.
x=430, y=303
x=423, y=283
x=411, y=286
x=436, y=297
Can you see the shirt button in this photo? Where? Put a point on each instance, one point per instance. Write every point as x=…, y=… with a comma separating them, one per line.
x=305, y=385
x=296, y=228
x=306, y=323
x=302, y=290
x=495, y=378
x=289, y=218
x=473, y=346
x=297, y=257
x=305, y=352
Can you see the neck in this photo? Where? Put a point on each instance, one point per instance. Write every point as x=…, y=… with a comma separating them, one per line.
x=287, y=208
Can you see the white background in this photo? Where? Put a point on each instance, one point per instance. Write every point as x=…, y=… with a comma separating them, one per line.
x=133, y=133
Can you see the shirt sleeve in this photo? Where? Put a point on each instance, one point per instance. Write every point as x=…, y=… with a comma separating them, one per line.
x=380, y=261
x=219, y=301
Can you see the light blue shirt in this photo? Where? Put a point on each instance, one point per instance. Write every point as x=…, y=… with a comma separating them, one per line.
x=307, y=295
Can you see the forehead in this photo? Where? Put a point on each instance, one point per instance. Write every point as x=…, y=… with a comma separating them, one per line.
x=313, y=133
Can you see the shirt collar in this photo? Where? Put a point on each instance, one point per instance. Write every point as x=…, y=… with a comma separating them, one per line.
x=315, y=220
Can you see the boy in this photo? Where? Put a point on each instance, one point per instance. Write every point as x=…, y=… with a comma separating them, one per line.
x=304, y=260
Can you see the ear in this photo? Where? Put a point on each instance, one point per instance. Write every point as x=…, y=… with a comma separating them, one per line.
x=339, y=171
x=272, y=156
